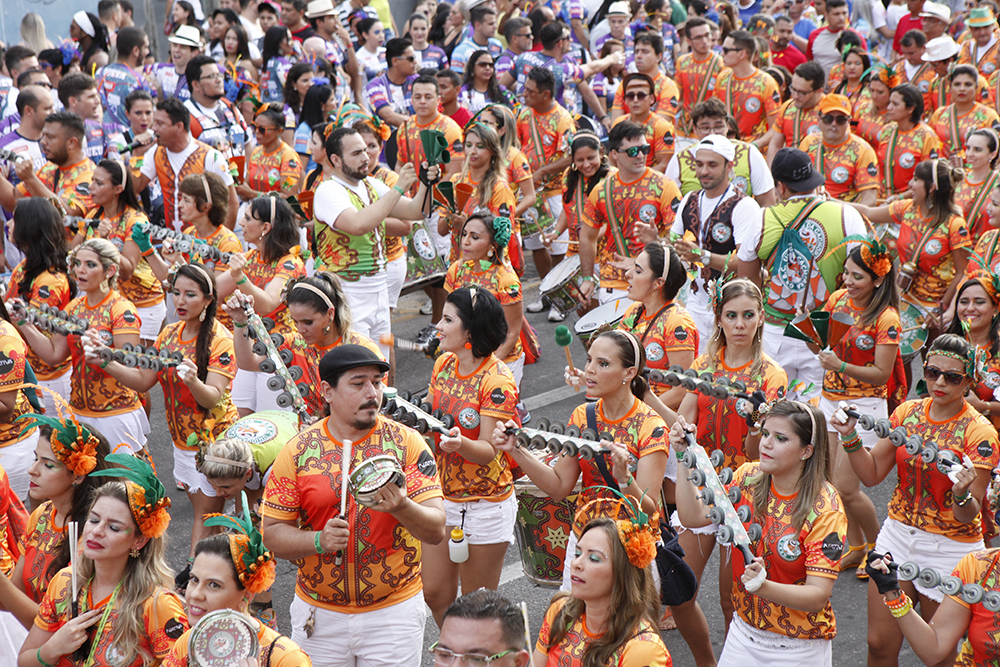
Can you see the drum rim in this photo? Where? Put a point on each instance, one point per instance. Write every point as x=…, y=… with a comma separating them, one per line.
x=201, y=630
x=561, y=266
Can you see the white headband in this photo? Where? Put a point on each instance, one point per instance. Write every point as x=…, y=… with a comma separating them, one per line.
x=84, y=22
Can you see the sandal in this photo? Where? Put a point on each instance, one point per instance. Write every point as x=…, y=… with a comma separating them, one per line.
x=848, y=562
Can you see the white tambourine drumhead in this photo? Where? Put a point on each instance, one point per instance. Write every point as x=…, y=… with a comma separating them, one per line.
x=374, y=473
x=221, y=639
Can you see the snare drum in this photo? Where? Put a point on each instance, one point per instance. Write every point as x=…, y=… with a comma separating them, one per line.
x=914, y=329
x=537, y=219
x=560, y=285
x=543, y=528
x=222, y=638
x=423, y=263
x=603, y=317
x=372, y=474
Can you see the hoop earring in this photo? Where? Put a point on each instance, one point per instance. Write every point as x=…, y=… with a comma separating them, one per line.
x=604, y=161
x=490, y=253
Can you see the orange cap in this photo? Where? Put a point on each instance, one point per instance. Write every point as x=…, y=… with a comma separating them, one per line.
x=834, y=102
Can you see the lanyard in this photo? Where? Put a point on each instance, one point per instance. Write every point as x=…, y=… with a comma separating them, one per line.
x=104, y=620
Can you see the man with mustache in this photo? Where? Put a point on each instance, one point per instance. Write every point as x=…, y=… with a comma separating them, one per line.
x=377, y=584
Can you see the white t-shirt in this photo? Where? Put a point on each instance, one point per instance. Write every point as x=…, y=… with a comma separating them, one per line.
x=215, y=163
x=745, y=221
x=331, y=198
x=760, y=174
x=853, y=224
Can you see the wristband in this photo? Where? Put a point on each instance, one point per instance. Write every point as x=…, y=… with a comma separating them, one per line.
x=899, y=607
x=962, y=501
x=591, y=279
x=628, y=482
x=38, y=657
x=149, y=252
x=843, y=366
x=21, y=323
x=680, y=456
x=243, y=279
x=319, y=547
x=399, y=190
x=240, y=325
x=104, y=364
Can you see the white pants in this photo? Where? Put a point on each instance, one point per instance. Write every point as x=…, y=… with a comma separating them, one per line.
x=926, y=549
x=250, y=392
x=151, y=320
x=390, y=637
x=15, y=459
x=867, y=405
x=799, y=362
x=395, y=279
x=368, y=300
x=126, y=430
x=746, y=646
x=60, y=385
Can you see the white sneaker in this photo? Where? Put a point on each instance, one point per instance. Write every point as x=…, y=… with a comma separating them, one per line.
x=536, y=306
x=555, y=315
x=427, y=308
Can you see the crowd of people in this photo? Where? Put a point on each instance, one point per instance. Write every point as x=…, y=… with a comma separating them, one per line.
x=795, y=203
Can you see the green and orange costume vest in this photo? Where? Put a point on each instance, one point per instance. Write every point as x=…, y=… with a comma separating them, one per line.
x=169, y=181
x=351, y=256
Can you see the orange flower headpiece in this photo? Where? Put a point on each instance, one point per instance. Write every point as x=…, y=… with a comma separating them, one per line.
x=635, y=531
x=71, y=441
x=254, y=563
x=146, y=496
x=979, y=270
x=884, y=73
x=874, y=253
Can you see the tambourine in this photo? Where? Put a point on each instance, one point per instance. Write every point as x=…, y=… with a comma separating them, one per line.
x=374, y=473
x=222, y=638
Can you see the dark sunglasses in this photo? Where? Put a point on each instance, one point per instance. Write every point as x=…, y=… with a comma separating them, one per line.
x=633, y=151
x=726, y=49
x=830, y=119
x=262, y=130
x=639, y=96
x=931, y=374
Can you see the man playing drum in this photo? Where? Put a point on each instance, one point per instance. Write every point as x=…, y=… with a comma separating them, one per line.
x=628, y=201
x=342, y=609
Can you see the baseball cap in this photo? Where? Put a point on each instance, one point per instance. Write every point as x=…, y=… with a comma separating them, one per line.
x=345, y=357
x=940, y=48
x=717, y=144
x=793, y=167
x=834, y=102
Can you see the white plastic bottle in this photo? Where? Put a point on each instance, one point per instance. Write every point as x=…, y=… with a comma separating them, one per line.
x=458, y=548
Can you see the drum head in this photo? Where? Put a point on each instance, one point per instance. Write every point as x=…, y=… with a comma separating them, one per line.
x=913, y=334
x=560, y=273
x=609, y=313
x=222, y=638
x=268, y=427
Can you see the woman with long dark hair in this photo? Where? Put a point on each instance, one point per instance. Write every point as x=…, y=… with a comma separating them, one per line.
x=905, y=140
x=317, y=106
x=977, y=319
x=297, y=84
x=276, y=60
x=589, y=167
x=42, y=279
x=871, y=113
x=856, y=64
x=236, y=47
x=92, y=38
x=981, y=150
x=480, y=86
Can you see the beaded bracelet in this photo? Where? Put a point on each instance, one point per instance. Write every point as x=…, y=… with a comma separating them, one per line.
x=319, y=547
x=963, y=500
x=851, y=443
x=899, y=607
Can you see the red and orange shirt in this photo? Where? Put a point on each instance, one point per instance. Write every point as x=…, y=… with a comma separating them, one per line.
x=545, y=139
x=222, y=238
x=13, y=522
x=279, y=171
x=982, y=645
x=44, y=539
x=668, y=332
x=696, y=81
x=261, y=273
x=751, y=101
x=184, y=415
x=94, y=392
x=989, y=382
x=933, y=260
x=899, y=153
x=986, y=247
x=307, y=357
x=652, y=198
x=870, y=122
x=518, y=168
x=723, y=424
x=984, y=61
x=666, y=104
x=142, y=288
x=50, y=288
x=790, y=556
x=850, y=168
x=974, y=200
x=411, y=149
x=659, y=135
x=13, y=357
x=71, y=184
x=797, y=124
x=857, y=347
x=502, y=197
x=643, y=648
x=922, y=497
x=395, y=247
x=499, y=279
x=381, y=563
x=489, y=391
x=163, y=615
x=953, y=130
x=273, y=650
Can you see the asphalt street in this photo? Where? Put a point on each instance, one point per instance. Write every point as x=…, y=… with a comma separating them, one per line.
x=546, y=395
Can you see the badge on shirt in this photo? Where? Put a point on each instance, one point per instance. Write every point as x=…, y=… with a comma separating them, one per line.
x=468, y=419
x=906, y=160
x=654, y=352
x=647, y=214
x=833, y=547
x=721, y=232
x=752, y=105
x=789, y=548
x=840, y=175
x=933, y=247
x=864, y=342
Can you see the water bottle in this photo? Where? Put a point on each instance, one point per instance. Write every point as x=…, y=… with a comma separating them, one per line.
x=458, y=548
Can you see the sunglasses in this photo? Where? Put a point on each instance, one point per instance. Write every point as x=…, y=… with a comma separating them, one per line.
x=638, y=96
x=261, y=130
x=830, y=119
x=485, y=63
x=932, y=373
x=634, y=151
x=726, y=49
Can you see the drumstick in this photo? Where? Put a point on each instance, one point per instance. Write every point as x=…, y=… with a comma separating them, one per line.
x=527, y=634
x=402, y=343
x=563, y=339
x=74, y=604
x=345, y=469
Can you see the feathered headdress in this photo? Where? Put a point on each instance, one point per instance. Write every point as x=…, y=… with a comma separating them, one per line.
x=635, y=531
x=885, y=73
x=254, y=563
x=146, y=496
x=979, y=269
x=71, y=441
x=715, y=288
x=874, y=253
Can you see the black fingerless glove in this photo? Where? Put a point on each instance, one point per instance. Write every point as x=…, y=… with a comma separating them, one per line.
x=885, y=581
x=756, y=399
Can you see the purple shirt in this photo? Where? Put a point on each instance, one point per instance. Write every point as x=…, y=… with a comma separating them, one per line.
x=432, y=56
x=384, y=93
x=114, y=83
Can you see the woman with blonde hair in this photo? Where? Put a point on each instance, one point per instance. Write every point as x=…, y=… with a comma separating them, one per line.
x=501, y=119
x=128, y=614
x=33, y=33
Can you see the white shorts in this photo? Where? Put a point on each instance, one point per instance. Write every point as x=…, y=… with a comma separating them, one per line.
x=368, y=300
x=250, y=392
x=127, y=430
x=704, y=319
x=60, y=385
x=442, y=243
x=151, y=320
x=12, y=634
x=746, y=646
x=799, y=362
x=867, y=405
x=186, y=473
x=394, y=281
x=171, y=316
x=517, y=369
x=607, y=295
x=485, y=522
x=675, y=521
x=926, y=549
x=390, y=637
x=15, y=459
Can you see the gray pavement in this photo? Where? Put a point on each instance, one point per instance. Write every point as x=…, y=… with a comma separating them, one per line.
x=546, y=395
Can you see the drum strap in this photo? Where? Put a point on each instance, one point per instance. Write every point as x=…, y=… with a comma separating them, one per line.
x=599, y=461
x=915, y=258
x=649, y=327
x=956, y=142
x=613, y=226
x=713, y=67
x=984, y=191
x=270, y=651
x=890, y=159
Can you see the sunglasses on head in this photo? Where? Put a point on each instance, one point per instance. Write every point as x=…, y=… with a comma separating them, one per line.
x=633, y=151
x=637, y=96
x=830, y=119
x=932, y=373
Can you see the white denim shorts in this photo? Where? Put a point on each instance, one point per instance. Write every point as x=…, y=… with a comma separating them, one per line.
x=926, y=549
x=486, y=522
x=868, y=405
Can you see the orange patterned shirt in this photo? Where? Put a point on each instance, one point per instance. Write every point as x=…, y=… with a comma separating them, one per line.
x=163, y=615
x=869, y=123
x=935, y=267
x=723, y=424
x=750, y=100
x=13, y=357
x=222, y=238
x=954, y=130
x=797, y=124
x=666, y=104
x=922, y=497
x=50, y=288
x=502, y=197
x=488, y=391
x=273, y=172
x=381, y=564
x=411, y=149
x=789, y=557
x=659, y=135
x=974, y=200
x=652, y=198
x=982, y=643
x=184, y=415
x=261, y=273
x=73, y=183
x=644, y=646
x=850, y=168
x=696, y=81
x=43, y=541
x=94, y=392
x=670, y=331
x=499, y=279
x=900, y=152
x=307, y=358
x=142, y=288
x=284, y=653
x=986, y=247
x=857, y=348
x=545, y=139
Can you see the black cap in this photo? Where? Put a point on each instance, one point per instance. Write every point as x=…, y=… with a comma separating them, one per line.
x=345, y=357
x=794, y=168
